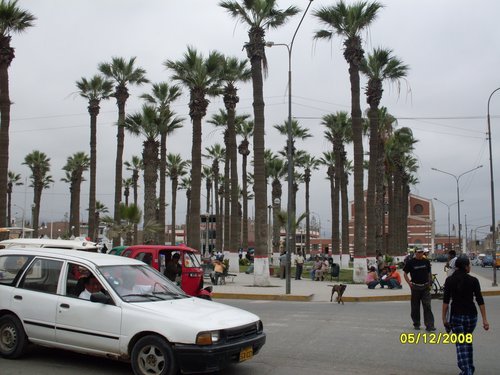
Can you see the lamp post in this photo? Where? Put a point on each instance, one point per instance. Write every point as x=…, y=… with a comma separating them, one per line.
x=448, y=206
x=457, y=179
x=493, y=223
x=291, y=211
x=269, y=246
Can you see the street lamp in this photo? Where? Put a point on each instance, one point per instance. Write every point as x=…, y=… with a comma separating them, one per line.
x=269, y=246
x=457, y=178
x=448, y=205
x=291, y=212
x=493, y=223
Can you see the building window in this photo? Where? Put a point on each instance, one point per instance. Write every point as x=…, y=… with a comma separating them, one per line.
x=418, y=209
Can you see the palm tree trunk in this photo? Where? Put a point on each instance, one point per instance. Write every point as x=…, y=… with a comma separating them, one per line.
x=227, y=200
x=379, y=198
x=308, y=224
x=174, y=207
x=357, y=137
x=121, y=98
x=7, y=54
x=194, y=219
x=150, y=158
x=392, y=215
x=255, y=52
x=245, y=202
x=370, y=193
x=345, y=209
x=76, y=208
x=162, y=194
x=135, y=178
x=93, y=111
x=233, y=167
x=36, y=209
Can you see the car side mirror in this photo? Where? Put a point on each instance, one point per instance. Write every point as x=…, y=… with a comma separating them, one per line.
x=100, y=297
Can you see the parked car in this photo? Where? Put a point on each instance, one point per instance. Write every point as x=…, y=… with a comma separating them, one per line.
x=157, y=256
x=134, y=314
x=487, y=261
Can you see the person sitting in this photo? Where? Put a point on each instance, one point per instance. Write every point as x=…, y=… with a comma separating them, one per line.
x=316, y=267
x=218, y=271
x=92, y=285
x=371, y=279
x=173, y=268
x=393, y=279
x=322, y=271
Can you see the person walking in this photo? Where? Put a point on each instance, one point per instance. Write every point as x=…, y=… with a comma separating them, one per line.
x=299, y=264
x=420, y=283
x=461, y=288
x=449, y=268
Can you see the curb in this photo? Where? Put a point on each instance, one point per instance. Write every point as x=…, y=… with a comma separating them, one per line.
x=265, y=297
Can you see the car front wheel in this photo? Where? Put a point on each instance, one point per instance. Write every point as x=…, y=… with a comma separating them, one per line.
x=152, y=355
x=13, y=340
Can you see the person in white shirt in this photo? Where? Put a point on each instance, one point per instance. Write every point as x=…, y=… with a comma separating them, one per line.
x=92, y=285
x=450, y=265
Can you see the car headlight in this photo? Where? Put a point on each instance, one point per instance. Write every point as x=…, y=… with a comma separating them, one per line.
x=207, y=338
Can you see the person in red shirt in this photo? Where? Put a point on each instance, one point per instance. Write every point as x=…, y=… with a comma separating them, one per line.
x=393, y=280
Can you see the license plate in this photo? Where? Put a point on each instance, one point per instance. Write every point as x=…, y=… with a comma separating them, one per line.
x=246, y=354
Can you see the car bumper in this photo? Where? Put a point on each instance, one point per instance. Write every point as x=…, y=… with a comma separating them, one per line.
x=195, y=358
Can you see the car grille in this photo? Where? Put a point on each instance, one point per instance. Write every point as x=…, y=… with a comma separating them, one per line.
x=242, y=332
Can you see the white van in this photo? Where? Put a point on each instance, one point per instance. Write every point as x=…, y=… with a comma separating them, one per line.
x=48, y=243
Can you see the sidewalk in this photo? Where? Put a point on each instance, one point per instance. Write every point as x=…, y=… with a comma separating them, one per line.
x=319, y=291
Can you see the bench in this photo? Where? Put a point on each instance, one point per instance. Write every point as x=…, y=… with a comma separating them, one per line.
x=226, y=275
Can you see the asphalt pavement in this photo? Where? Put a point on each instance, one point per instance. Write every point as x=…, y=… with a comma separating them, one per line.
x=242, y=286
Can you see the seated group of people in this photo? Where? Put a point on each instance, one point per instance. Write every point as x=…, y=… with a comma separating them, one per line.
x=320, y=269
x=389, y=277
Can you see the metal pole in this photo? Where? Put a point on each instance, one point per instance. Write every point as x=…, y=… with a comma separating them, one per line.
x=493, y=221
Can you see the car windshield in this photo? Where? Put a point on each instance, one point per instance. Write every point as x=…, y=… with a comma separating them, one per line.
x=140, y=283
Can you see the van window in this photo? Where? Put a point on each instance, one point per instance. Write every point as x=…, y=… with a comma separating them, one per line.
x=42, y=275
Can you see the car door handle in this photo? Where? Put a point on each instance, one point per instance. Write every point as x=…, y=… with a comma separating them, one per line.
x=64, y=305
x=18, y=297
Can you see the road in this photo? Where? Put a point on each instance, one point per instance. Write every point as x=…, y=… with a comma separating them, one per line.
x=316, y=339
x=486, y=272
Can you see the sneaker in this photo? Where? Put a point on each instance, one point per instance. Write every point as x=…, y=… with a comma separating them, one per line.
x=416, y=328
x=430, y=329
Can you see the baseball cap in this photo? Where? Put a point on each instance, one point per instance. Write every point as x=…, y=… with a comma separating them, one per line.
x=419, y=250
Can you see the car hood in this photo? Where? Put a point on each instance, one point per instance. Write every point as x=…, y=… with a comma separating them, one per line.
x=181, y=320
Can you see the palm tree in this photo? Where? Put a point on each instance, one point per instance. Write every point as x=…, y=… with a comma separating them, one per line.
x=338, y=132
x=14, y=179
x=216, y=153
x=136, y=166
x=379, y=66
x=259, y=16
x=277, y=170
x=94, y=90
x=162, y=95
x=100, y=208
x=12, y=20
x=201, y=77
x=130, y=216
x=233, y=71
x=245, y=130
x=39, y=164
x=146, y=124
x=186, y=185
x=349, y=21
x=123, y=73
x=309, y=163
x=74, y=168
x=176, y=167
x=127, y=183
x=401, y=165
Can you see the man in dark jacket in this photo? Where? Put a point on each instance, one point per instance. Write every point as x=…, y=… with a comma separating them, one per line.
x=420, y=284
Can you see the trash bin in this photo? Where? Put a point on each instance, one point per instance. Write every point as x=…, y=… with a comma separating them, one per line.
x=335, y=272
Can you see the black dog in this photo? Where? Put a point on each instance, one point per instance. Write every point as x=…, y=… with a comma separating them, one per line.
x=340, y=289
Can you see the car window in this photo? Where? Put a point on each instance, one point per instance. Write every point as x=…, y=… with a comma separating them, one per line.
x=127, y=253
x=10, y=265
x=190, y=260
x=75, y=276
x=140, y=283
x=42, y=275
x=146, y=257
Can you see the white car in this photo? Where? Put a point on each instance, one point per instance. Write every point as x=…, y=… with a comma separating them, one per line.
x=120, y=308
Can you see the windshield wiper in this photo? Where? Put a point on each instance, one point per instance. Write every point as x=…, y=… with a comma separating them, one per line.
x=145, y=295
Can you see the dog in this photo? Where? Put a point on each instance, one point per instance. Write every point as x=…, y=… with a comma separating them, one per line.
x=340, y=289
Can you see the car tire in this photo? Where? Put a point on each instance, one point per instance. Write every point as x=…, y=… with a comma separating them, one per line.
x=13, y=340
x=153, y=355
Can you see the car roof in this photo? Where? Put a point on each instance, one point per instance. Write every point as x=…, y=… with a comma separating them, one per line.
x=39, y=242
x=163, y=247
x=98, y=259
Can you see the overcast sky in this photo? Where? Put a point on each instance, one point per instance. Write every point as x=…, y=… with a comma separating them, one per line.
x=451, y=46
